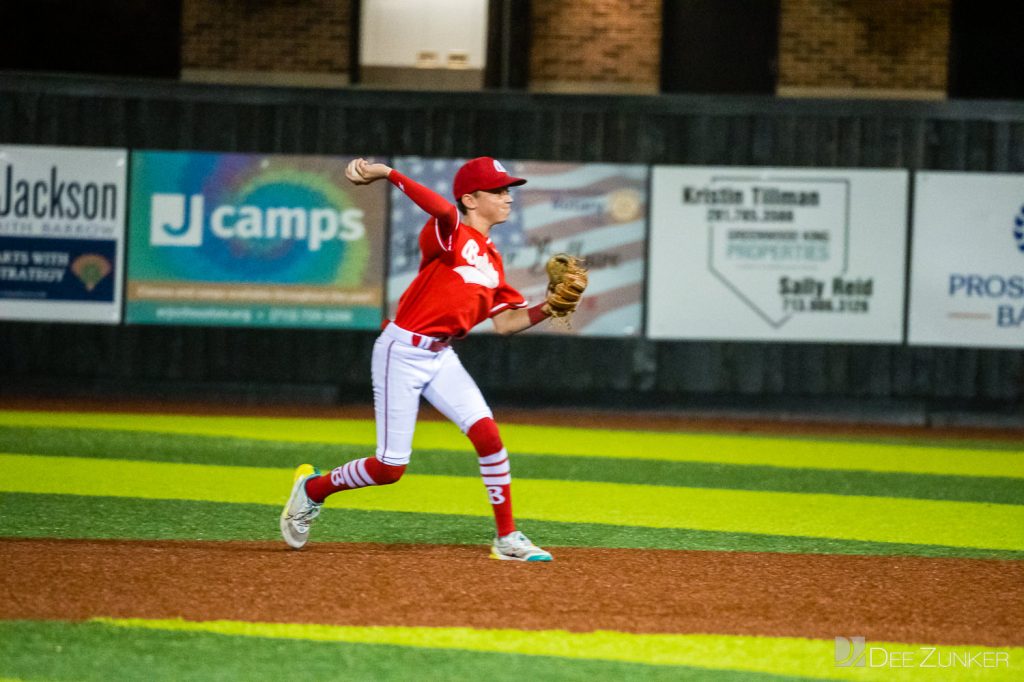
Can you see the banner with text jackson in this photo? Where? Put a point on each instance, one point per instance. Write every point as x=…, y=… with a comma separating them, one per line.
x=62, y=217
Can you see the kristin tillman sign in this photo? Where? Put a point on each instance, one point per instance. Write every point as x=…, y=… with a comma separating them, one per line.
x=777, y=254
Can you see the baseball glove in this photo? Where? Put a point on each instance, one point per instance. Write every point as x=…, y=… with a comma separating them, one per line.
x=567, y=279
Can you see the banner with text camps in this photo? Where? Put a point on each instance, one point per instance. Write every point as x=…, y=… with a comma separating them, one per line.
x=62, y=218
x=597, y=211
x=253, y=240
x=967, y=267
x=777, y=254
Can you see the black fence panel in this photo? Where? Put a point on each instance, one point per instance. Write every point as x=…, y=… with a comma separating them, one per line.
x=333, y=366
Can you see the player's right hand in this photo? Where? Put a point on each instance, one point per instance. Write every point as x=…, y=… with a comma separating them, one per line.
x=362, y=172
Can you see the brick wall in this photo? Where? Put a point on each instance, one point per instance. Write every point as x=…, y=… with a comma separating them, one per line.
x=596, y=43
x=874, y=45
x=298, y=36
x=824, y=45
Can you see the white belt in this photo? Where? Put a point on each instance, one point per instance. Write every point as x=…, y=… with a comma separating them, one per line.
x=430, y=343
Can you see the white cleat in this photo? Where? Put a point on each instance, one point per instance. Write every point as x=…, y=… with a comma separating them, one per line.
x=517, y=547
x=299, y=511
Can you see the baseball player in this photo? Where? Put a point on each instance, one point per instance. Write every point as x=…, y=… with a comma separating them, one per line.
x=460, y=283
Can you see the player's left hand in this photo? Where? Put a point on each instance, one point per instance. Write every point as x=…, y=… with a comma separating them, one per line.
x=567, y=280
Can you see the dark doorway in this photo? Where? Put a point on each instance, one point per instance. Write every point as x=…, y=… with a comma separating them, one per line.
x=986, y=50
x=508, y=44
x=709, y=46
x=115, y=37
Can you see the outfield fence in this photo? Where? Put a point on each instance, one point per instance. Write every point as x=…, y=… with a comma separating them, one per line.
x=891, y=381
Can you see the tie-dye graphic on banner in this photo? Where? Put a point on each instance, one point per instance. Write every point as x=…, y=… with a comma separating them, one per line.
x=598, y=211
x=253, y=240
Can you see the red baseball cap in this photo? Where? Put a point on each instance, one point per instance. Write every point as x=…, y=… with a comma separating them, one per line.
x=482, y=172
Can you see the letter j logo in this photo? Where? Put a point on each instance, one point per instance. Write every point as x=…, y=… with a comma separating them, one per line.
x=168, y=224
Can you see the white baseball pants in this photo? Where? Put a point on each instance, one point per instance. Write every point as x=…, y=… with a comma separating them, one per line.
x=402, y=372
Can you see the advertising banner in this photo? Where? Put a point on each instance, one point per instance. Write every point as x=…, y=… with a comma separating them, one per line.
x=777, y=254
x=62, y=217
x=597, y=211
x=253, y=240
x=967, y=260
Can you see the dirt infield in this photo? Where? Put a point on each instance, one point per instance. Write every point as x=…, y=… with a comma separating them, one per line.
x=939, y=601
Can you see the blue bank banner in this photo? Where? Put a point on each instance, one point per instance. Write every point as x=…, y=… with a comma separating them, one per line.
x=967, y=265
x=253, y=240
x=62, y=226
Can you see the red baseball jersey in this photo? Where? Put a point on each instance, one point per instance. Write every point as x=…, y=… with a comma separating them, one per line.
x=461, y=280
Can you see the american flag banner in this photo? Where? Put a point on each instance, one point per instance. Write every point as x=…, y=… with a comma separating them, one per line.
x=597, y=211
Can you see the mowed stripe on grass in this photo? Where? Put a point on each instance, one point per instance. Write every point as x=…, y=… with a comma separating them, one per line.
x=164, y=447
x=106, y=651
x=678, y=447
x=26, y=515
x=849, y=517
x=773, y=655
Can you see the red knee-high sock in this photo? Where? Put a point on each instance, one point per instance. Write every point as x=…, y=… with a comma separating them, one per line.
x=359, y=473
x=495, y=471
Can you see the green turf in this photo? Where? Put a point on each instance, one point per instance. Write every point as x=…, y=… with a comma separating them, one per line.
x=58, y=651
x=848, y=517
x=237, y=451
x=33, y=650
x=797, y=453
x=70, y=516
x=792, y=656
